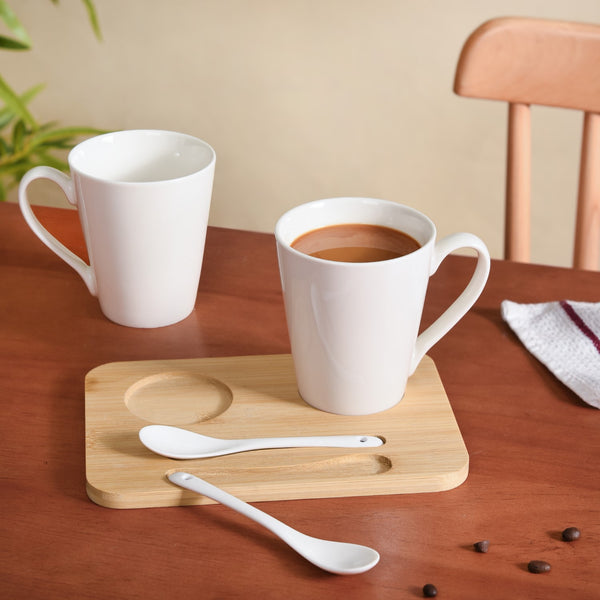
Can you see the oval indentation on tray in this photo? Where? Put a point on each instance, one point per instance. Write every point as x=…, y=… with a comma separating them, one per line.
x=337, y=468
x=178, y=398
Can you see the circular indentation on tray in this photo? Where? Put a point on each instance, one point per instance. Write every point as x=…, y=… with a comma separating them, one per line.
x=178, y=398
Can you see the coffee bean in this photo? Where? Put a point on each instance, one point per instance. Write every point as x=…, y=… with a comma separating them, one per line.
x=570, y=534
x=429, y=590
x=481, y=546
x=538, y=566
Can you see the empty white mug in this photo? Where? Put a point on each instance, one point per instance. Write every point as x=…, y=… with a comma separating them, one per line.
x=353, y=326
x=143, y=198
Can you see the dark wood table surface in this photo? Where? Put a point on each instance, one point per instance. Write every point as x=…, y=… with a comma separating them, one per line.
x=534, y=447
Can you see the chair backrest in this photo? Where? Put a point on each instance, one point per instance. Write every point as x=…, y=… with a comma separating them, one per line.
x=552, y=63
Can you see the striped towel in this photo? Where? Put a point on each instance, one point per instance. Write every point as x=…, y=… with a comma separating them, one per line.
x=564, y=336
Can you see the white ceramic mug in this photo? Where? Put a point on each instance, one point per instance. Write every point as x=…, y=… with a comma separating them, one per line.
x=353, y=326
x=143, y=198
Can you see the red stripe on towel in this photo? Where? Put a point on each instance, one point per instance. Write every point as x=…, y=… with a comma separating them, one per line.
x=580, y=323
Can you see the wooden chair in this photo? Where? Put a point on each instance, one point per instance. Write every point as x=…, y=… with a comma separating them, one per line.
x=552, y=63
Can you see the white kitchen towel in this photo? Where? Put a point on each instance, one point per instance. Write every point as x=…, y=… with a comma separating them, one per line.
x=564, y=336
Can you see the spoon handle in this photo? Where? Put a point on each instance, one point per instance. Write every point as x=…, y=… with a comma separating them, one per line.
x=318, y=441
x=200, y=486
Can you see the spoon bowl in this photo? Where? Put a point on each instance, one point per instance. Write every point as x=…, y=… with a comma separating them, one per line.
x=340, y=558
x=174, y=442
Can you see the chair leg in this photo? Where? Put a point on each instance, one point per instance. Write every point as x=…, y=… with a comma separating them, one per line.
x=518, y=184
x=587, y=228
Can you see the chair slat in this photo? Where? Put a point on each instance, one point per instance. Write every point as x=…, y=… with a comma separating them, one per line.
x=587, y=227
x=517, y=244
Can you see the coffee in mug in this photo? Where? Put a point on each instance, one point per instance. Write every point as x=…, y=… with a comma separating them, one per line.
x=356, y=242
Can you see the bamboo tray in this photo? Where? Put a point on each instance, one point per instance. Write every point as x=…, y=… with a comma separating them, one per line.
x=256, y=396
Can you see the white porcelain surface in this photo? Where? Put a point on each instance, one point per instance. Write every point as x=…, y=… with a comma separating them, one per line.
x=143, y=199
x=340, y=558
x=353, y=326
x=182, y=444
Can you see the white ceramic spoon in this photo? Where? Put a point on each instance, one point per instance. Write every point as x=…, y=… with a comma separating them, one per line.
x=174, y=442
x=336, y=557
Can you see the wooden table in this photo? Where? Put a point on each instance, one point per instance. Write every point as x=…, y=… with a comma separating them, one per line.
x=534, y=447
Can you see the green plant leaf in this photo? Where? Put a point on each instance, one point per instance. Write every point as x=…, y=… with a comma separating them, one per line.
x=16, y=169
x=15, y=104
x=18, y=136
x=30, y=144
x=26, y=143
x=21, y=39
x=93, y=17
x=7, y=115
x=45, y=158
x=61, y=135
x=12, y=44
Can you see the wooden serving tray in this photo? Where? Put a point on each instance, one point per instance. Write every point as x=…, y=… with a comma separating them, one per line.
x=256, y=396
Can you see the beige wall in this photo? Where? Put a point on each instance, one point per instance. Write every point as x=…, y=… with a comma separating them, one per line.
x=309, y=99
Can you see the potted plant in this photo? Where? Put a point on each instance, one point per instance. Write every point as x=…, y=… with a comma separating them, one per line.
x=24, y=142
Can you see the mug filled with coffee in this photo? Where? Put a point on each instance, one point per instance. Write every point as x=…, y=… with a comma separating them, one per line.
x=354, y=274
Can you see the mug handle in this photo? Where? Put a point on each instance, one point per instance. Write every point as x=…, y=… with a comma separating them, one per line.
x=457, y=310
x=66, y=184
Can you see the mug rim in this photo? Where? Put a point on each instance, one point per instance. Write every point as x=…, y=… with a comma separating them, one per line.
x=314, y=204
x=123, y=133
